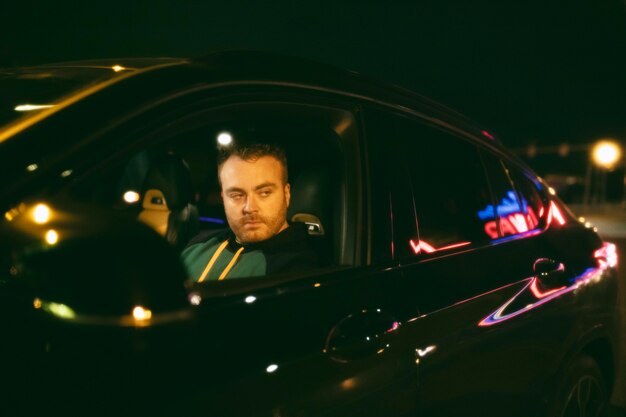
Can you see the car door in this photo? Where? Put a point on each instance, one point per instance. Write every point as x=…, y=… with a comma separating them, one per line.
x=466, y=247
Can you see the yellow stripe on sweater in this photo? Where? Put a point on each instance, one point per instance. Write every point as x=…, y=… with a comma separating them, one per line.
x=212, y=261
x=230, y=265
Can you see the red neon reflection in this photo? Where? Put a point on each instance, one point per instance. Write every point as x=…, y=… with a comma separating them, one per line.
x=487, y=134
x=491, y=229
x=424, y=246
x=534, y=288
x=456, y=245
x=518, y=221
x=555, y=213
x=513, y=224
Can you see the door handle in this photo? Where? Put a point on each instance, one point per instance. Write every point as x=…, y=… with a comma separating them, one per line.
x=550, y=273
x=360, y=335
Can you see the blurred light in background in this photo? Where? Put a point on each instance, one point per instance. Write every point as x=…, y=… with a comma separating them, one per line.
x=224, y=138
x=41, y=214
x=606, y=153
x=52, y=237
x=131, y=196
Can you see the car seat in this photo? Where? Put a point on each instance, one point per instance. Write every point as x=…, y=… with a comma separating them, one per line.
x=312, y=200
x=168, y=203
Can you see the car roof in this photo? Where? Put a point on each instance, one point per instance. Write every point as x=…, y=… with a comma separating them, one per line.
x=130, y=63
x=227, y=66
x=302, y=71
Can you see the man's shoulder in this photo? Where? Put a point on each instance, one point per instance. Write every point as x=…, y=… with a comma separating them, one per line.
x=295, y=250
x=294, y=234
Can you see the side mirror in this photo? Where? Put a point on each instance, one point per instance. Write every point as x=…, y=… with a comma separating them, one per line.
x=550, y=273
x=86, y=265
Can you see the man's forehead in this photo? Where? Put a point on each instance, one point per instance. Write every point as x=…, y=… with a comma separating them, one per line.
x=251, y=173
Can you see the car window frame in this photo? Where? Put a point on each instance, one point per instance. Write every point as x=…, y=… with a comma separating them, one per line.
x=354, y=235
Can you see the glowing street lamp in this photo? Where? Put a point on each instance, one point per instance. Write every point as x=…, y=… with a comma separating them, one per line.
x=606, y=153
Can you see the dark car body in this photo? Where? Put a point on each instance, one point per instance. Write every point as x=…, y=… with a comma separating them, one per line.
x=458, y=284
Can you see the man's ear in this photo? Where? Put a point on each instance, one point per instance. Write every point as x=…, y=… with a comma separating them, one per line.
x=287, y=193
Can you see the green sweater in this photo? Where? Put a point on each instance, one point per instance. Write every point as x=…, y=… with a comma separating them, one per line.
x=291, y=250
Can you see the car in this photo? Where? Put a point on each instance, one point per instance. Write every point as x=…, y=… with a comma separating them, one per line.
x=457, y=282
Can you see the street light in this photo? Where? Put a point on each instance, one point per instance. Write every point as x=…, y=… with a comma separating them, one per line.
x=606, y=153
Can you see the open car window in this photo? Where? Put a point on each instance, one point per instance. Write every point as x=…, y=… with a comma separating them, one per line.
x=169, y=180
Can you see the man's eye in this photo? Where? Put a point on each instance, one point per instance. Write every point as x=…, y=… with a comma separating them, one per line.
x=236, y=196
x=265, y=193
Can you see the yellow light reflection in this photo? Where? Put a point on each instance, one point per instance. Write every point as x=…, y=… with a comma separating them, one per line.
x=66, y=173
x=272, y=368
x=31, y=107
x=551, y=191
x=141, y=314
x=60, y=310
x=117, y=68
x=348, y=383
x=317, y=285
x=37, y=303
x=41, y=214
x=131, y=196
x=32, y=167
x=52, y=237
x=11, y=214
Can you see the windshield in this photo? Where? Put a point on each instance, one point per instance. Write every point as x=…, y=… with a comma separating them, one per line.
x=26, y=91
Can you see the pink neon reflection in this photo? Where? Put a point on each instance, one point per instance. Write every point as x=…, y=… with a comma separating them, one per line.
x=555, y=213
x=424, y=246
x=607, y=255
x=487, y=134
x=586, y=278
x=534, y=288
x=393, y=327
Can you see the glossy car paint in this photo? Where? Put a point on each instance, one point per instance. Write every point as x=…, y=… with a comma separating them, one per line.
x=467, y=331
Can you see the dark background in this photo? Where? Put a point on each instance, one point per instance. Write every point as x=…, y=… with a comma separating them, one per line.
x=534, y=72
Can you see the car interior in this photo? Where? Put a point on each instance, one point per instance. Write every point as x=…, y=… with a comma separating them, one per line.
x=172, y=186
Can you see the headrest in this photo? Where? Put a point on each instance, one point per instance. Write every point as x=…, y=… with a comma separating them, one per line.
x=311, y=200
x=169, y=174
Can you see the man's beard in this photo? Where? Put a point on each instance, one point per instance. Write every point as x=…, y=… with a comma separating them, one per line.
x=268, y=227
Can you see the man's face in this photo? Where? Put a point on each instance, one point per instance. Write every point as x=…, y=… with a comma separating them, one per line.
x=255, y=198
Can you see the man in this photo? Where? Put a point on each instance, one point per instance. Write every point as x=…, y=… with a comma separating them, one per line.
x=256, y=194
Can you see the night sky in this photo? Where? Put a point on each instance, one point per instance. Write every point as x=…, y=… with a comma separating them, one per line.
x=534, y=71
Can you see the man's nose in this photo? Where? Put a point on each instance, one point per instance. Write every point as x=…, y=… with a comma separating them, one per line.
x=251, y=205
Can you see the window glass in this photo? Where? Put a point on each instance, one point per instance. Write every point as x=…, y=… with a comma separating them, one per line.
x=511, y=217
x=531, y=201
x=450, y=190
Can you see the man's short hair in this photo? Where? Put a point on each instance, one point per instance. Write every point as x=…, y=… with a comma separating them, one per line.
x=252, y=152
